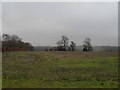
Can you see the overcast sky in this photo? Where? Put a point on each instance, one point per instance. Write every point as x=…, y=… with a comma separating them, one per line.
x=45, y=23
x=0, y=18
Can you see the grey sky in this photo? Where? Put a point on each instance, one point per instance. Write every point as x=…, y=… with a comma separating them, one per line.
x=0, y=17
x=45, y=23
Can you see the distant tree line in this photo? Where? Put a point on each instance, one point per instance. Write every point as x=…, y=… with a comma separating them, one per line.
x=64, y=44
x=110, y=48
x=14, y=43
x=77, y=48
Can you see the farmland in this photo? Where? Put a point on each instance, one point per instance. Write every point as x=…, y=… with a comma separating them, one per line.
x=60, y=69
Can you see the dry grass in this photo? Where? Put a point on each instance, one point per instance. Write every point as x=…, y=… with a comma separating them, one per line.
x=60, y=69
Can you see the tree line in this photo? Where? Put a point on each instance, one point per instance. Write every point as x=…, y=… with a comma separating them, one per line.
x=63, y=44
x=15, y=43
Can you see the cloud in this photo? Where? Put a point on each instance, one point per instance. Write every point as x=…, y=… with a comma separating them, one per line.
x=44, y=23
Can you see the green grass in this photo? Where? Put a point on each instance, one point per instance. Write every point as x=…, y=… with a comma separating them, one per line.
x=60, y=70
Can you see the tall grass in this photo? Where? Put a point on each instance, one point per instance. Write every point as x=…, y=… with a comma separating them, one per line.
x=60, y=70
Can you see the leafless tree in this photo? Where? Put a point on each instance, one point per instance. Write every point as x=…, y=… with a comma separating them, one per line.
x=72, y=46
x=87, y=44
x=63, y=43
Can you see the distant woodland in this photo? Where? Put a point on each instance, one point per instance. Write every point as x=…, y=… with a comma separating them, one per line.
x=15, y=43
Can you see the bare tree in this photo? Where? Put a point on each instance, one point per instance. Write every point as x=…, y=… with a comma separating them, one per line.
x=12, y=38
x=87, y=44
x=15, y=38
x=6, y=37
x=72, y=46
x=63, y=43
x=65, y=40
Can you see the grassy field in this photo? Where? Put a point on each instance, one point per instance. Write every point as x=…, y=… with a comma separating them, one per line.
x=60, y=69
